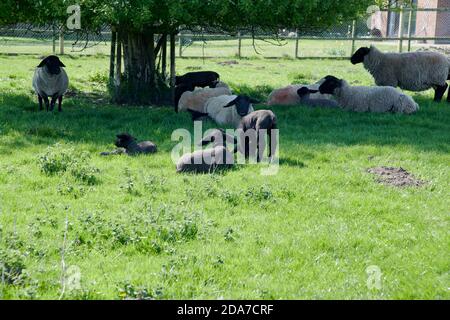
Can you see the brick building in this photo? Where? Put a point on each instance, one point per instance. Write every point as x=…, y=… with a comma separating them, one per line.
x=424, y=23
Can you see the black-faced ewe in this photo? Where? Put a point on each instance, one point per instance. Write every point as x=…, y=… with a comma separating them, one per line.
x=127, y=144
x=305, y=99
x=414, y=71
x=226, y=110
x=259, y=124
x=50, y=80
x=368, y=99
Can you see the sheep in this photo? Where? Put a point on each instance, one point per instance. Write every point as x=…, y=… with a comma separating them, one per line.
x=196, y=100
x=413, y=71
x=198, y=79
x=226, y=109
x=206, y=161
x=50, y=80
x=371, y=99
x=127, y=145
x=253, y=123
x=305, y=99
x=288, y=96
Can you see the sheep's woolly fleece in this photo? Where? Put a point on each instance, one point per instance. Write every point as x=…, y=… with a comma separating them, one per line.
x=414, y=71
x=196, y=100
x=374, y=99
x=224, y=116
x=50, y=85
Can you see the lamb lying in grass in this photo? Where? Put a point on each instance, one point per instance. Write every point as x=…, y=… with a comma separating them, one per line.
x=368, y=99
x=127, y=144
x=210, y=160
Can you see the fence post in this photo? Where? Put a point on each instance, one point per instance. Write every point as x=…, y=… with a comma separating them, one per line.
x=410, y=28
x=353, y=37
x=61, y=41
x=400, y=30
x=180, y=43
x=53, y=40
x=239, y=45
x=296, y=43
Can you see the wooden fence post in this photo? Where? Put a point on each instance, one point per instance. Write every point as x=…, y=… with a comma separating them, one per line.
x=61, y=41
x=53, y=40
x=400, y=31
x=353, y=37
x=180, y=43
x=239, y=45
x=296, y=43
x=410, y=28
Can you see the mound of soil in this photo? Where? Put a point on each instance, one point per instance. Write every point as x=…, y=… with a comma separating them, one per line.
x=397, y=177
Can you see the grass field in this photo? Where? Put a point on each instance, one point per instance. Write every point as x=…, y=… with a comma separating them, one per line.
x=212, y=48
x=132, y=228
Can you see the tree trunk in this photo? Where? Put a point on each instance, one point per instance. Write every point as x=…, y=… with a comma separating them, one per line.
x=140, y=83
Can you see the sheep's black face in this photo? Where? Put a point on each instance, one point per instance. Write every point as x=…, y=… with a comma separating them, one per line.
x=52, y=65
x=358, y=56
x=330, y=85
x=303, y=91
x=124, y=140
x=243, y=104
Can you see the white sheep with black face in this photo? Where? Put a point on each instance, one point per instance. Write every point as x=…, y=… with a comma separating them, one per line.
x=368, y=99
x=50, y=80
x=413, y=71
x=227, y=110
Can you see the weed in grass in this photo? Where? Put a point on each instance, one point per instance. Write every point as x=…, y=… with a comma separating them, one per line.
x=59, y=159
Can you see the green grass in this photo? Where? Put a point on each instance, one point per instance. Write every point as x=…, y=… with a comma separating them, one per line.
x=212, y=48
x=141, y=230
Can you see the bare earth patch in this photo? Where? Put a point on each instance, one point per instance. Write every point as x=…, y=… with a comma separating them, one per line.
x=397, y=177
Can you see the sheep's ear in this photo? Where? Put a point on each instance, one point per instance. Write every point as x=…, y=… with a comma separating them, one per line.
x=231, y=103
x=43, y=63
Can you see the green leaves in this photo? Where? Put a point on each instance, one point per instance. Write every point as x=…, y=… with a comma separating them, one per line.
x=171, y=15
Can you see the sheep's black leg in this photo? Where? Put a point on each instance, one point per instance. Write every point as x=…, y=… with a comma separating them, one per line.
x=439, y=92
x=40, y=102
x=448, y=95
x=60, y=103
x=53, y=102
x=47, y=103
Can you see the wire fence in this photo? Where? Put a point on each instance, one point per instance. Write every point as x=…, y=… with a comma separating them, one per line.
x=397, y=29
